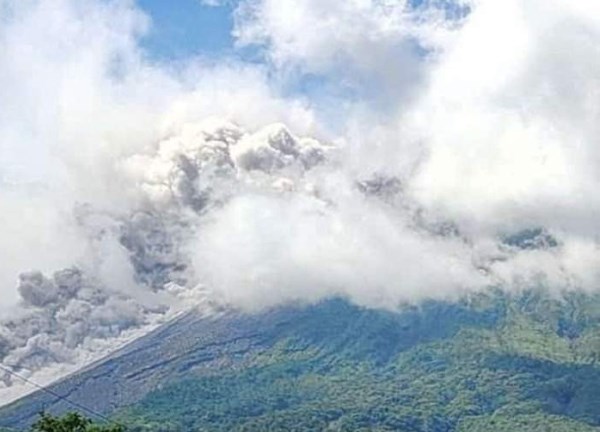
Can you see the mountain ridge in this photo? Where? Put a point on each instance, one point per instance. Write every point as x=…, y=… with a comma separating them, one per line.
x=439, y=366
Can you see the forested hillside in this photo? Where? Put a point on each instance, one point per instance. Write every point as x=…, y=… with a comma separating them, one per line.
x=491, y=362
x=494, y=362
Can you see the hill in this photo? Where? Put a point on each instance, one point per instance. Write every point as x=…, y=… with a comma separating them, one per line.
x=490, y=362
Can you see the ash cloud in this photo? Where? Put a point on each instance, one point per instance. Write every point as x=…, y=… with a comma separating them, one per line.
x=139, y=268
x=58, y=314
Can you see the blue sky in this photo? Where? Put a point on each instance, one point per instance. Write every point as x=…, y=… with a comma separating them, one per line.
x=188, y=29
x=195, y=29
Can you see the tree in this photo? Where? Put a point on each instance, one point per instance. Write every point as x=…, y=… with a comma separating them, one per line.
x=71, y=422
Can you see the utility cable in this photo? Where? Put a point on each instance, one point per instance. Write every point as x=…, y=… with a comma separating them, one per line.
x=52, y=393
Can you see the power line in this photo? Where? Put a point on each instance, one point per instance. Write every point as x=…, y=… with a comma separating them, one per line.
x=46, y=390
x=89, y=411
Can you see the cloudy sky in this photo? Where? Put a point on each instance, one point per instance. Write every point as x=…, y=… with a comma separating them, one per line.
x=255, y=152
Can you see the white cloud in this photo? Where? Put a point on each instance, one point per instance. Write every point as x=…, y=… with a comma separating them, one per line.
x=497, y=130
x=372, y=47
x=213, y=3
x=262, y=250
x=509, y=117
x=320, y=35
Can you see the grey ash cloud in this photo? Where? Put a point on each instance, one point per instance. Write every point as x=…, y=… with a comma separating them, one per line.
x=62, y=312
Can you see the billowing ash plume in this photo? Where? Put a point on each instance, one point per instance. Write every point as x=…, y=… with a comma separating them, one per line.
x=60, y=313
x=181, y=179
x=250, y=219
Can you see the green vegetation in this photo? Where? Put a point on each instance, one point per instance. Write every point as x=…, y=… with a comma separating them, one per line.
x=489, y=363
x=71, y=422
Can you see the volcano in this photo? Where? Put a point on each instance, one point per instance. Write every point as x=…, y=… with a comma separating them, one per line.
x=487, y=362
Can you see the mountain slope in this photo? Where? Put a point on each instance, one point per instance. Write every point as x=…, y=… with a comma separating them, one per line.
x=491, y=362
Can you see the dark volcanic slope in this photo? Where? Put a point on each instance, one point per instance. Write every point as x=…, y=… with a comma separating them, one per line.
x=492, y=362
x=196, y=346
x=188, y=342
